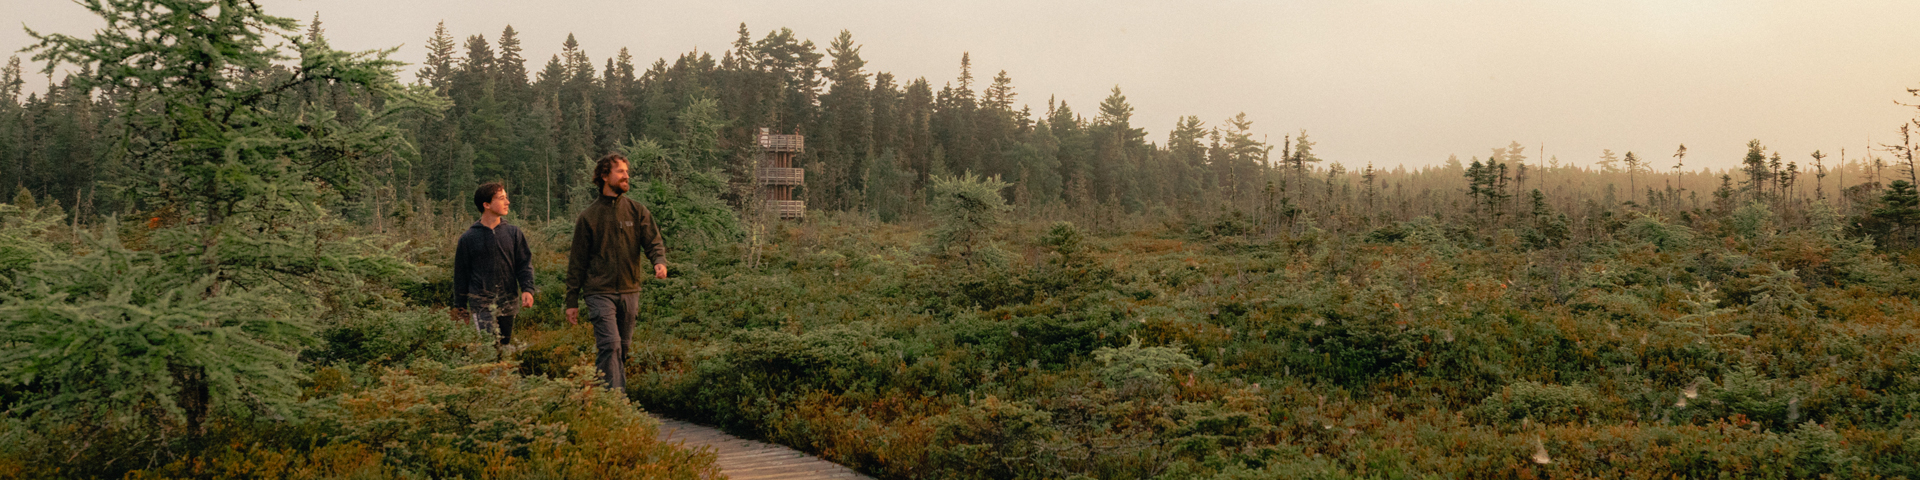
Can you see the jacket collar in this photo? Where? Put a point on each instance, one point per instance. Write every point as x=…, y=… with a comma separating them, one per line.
x=482, y=226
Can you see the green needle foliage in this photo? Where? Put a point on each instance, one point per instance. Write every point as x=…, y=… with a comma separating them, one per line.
x=237, y=165
x=968, y=208
x=112, y=340
x=215, y=124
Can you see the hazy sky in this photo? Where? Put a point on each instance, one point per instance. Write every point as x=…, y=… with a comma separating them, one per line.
x=1388, y=82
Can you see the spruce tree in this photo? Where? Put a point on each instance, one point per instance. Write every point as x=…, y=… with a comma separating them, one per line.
x=847, y=125
x=513, y=67
x=1608, y=161
x=208, y=318
x=438, y=70
x=1899, y=212
x=1755, y=166
x=1634, y=166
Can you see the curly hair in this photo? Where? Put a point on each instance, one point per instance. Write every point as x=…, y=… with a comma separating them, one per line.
x=605, y=166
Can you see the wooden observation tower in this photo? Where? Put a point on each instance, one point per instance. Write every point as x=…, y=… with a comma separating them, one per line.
x=777, y=175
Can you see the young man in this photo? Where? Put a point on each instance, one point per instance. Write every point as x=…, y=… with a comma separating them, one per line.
x=492, y=268
x=604, y=266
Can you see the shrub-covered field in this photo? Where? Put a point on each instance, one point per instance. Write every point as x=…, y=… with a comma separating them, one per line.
x=117, y=366
x=261, y=289
x=1749, y=344
x=1416, y=349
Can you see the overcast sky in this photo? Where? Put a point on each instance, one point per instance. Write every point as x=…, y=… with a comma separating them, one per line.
x=1387, y=82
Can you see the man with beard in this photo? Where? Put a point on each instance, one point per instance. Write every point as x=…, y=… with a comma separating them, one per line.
x=604, y=266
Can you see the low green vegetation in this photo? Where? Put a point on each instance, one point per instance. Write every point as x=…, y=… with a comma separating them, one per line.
x=262, y=290
x=1156, y=352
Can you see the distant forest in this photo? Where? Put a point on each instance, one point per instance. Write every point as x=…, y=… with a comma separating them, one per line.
x=875, y=141
x=228, y=253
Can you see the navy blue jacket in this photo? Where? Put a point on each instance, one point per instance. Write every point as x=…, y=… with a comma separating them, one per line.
x=492, y=266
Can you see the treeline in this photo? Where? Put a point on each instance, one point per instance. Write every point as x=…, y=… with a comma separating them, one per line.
x=1280, y=317
x=875, y=141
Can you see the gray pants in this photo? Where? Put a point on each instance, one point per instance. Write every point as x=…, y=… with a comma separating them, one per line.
x=612, y=317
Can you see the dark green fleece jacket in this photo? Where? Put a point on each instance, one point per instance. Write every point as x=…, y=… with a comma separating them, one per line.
x=608, y=240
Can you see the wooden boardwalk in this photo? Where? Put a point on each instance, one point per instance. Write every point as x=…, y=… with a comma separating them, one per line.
x=742, y=459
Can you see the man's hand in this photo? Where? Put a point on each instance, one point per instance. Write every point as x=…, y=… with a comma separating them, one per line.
x=526, y=299
x=660, y=271
x=573, y=316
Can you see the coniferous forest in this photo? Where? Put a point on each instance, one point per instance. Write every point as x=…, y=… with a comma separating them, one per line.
x=227, y=253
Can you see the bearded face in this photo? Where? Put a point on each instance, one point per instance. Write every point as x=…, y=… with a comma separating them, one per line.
x=616, y=180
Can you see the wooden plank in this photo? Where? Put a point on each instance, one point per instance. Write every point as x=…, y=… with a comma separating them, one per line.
x=797, y=476
x=742, y=459
x=792, y=462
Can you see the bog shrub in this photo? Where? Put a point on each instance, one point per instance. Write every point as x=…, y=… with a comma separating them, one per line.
x=475, y=420
x=990, y=439
x=1663, y=236
x=1746, y=391
x=1821, y=452
x=395, y=337
x=1539, y=402
x=431, y=420
x=1136, y=364
x=1139, y=369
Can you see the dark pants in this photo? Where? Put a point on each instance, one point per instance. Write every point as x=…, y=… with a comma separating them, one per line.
x=490, y=324
x=612, y=316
